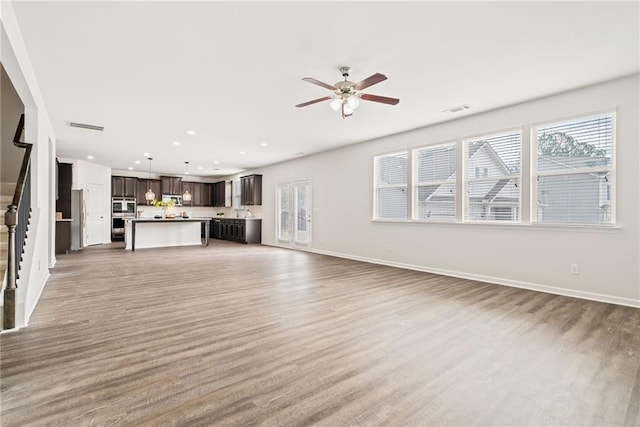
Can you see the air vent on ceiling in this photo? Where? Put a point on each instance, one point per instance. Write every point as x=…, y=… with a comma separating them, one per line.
x=456, y=109
x=85, y=126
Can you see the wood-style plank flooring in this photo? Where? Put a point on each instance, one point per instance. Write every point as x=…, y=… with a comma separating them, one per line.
x=251, y=335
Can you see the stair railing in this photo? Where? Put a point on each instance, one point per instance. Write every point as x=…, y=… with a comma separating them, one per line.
x=16, y=218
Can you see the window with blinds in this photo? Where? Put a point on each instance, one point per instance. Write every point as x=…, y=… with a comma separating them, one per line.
x=574, y=171
x=492, y=177
x=391, y=198
x=435, y=183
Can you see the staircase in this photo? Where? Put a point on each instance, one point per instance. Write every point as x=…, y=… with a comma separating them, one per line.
x=6, y=194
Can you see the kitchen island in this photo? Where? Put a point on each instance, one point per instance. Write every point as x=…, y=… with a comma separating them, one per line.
x=162, y=232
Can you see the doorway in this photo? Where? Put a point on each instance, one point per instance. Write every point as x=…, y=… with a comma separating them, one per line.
x=95, y=215
x=294, y=213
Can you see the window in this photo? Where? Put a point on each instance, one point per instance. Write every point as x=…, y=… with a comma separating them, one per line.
x=435, y=183
x=391, y=198
x=492, y=177
x=574, y=171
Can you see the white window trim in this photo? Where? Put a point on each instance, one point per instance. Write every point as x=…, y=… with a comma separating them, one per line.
x=405, y=186
x=533, y=131
x=415, y=184
x=467, y=180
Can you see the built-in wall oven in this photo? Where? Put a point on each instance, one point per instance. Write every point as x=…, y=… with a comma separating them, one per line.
x=121, y=208
x=123, y=205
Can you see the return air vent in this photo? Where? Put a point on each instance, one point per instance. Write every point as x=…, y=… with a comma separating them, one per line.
x=85, y=126
x=456, y=109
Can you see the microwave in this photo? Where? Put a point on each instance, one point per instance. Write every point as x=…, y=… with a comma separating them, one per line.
x=123, y=207
x=168, y=197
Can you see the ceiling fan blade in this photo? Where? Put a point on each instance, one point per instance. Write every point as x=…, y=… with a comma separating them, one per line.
x=377, y=98
x=319, y=83
x=370, y=81
x=304, y=104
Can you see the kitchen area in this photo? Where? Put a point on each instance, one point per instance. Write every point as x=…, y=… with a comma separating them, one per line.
x=164, y=211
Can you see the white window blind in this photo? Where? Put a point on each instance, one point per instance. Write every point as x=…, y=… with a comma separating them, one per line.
x=391, y=198
x=492, y=177
x=574, y=171
x=435, y=183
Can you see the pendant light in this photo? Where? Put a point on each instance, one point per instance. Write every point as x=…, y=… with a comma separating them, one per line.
x=149, y=195
x=186, y=196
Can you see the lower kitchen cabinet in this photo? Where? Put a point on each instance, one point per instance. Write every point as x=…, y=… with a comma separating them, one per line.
x=247, y=230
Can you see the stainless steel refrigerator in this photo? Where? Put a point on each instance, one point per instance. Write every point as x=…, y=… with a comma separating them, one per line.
x=78, y=216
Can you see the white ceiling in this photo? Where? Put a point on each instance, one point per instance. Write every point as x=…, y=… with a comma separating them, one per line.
x=231, y=71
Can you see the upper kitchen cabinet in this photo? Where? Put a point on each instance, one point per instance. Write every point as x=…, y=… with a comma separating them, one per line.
x=251, y=187
x=221, y=194
x=201, y=194
x=124, y=186
x=171, y=185
x=144, y=185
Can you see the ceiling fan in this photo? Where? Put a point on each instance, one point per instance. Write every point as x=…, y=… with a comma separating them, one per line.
x=346, y=96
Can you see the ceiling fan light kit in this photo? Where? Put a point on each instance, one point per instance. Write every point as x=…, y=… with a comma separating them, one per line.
x=346, y=96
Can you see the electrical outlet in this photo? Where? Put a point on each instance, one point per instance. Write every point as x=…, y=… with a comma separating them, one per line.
x=575, y=269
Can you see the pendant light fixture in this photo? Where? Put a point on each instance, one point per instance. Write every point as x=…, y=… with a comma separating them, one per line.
x=149, y=196
x=186, y=196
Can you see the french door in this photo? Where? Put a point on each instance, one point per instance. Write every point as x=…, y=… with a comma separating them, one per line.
x=294, y=213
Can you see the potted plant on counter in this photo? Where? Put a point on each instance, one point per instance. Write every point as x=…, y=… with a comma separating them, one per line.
x=165, y=206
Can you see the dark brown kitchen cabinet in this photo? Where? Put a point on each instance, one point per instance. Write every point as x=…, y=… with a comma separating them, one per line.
x=65, y=178
x=205, y=194
x=124, y=186
x=201, y=196
x=251, y=190
x=238, y=230
x=221, y=194
x=171, y=185
x=143, y=187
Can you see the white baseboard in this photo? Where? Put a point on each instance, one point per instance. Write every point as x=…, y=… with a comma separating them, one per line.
x=592, y=296
x=33, y=306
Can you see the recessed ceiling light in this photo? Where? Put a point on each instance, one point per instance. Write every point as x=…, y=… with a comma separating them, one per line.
x=130, y=168
x=191, y=132
x=242, y=152
x=90, y=157
x=199, y=168
x=264, y=144
x=176, y=143
x=137, y=162
x=146, y=154
x=215, y=162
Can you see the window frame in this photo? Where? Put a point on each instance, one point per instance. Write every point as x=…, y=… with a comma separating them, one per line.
x=468, y=179
x=406, y=186
x=415, y=184
x=535, y=174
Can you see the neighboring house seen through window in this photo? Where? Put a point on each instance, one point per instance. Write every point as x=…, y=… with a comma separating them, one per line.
x=435, y=183
x=492, y=177
x=574, y=171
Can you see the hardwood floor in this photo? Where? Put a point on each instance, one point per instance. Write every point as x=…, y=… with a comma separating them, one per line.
x=250, y=335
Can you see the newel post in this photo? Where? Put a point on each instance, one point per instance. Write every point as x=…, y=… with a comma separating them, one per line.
x=9, y=315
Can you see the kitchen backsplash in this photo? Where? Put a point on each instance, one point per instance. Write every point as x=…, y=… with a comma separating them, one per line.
x=200, y=211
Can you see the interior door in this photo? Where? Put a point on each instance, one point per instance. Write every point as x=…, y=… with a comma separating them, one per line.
x=294, y=213
x=95, y=214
